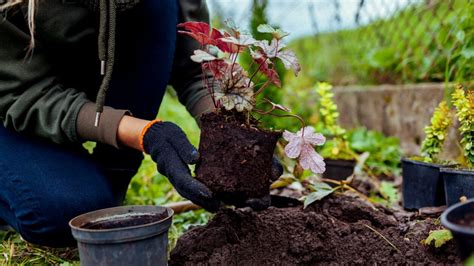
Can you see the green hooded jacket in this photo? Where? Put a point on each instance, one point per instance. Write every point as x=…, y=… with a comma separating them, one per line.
x=51, y=93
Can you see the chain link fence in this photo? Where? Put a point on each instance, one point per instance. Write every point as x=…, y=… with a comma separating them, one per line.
x=408, y=41
x=373, y=41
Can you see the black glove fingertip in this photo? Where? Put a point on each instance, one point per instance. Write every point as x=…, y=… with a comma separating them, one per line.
x=194, y=156
x=277, y=169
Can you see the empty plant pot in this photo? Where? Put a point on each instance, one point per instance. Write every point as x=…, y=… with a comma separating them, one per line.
x=459, y=219
x=457, y=183
x=127, y=235
x=422, y=185
x=338, y=169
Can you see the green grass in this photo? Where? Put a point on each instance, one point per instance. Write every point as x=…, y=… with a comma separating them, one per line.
x=147, y=187
x=418, y=44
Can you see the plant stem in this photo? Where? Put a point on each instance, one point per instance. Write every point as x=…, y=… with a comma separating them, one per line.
x=255, y=73
x=277, y=115
x=210, y=89
x=262, y=87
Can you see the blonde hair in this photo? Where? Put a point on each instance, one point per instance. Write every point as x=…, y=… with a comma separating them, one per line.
x=30, y=17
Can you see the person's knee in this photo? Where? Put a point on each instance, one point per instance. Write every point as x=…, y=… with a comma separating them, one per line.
x=49, y=224
x=52, y=233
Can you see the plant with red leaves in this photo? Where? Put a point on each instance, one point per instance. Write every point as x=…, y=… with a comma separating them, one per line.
x=232, y=87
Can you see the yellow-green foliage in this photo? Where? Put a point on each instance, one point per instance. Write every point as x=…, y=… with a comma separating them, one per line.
x=328, y=109
x=464, y=103
x=337, y=146
x=436, y=132
x=438, y=238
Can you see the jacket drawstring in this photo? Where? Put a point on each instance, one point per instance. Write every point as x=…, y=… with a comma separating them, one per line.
x=106, y=47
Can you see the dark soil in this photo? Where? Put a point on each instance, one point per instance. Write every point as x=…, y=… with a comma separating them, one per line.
x=236, y=159
x=467, y=220
x=125, y=221
x=337, y=230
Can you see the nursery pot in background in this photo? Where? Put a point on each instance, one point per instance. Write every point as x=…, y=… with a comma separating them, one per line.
x=235, y=158
x=338, y=169
x=127, y=235
x=457, y=183
x=422, y=185
x=459, y=219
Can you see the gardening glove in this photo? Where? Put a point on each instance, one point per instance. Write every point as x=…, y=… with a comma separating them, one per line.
x=277, y=169
x=265, y=202
x=170, y=149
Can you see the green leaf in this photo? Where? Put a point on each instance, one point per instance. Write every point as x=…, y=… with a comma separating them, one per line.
x=460, y=35
x=440, y=237
x=265, y=28
x=467, y=53
x=389, y=192
x=321, y=191
x=283, y=181
x=277, y=33
x=469, y=261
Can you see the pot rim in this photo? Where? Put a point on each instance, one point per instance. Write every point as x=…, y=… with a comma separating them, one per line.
x=168, y=211
x=455, y=227
x=408, y=160
x=457, y=171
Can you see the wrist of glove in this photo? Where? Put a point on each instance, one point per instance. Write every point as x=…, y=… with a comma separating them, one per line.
x=171, y=150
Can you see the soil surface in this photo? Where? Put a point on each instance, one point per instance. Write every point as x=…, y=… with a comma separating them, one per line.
x=236, y=159
x=125, y=222
x=338, y=230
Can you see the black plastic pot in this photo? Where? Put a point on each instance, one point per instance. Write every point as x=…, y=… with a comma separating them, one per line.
x=457, y=183
x=422, y=185
x=456, y=218
x=142, y=240
x=338, y=169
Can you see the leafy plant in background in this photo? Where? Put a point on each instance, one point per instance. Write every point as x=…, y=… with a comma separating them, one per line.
x=384, y=152
x=436, y=133
x=337, y=146
x=437, y=46
x=464, y=103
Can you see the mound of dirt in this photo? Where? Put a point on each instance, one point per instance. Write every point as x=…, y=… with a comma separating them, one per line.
x=340, y=229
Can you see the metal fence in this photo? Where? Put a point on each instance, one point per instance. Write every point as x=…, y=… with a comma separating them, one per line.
x=373, y=41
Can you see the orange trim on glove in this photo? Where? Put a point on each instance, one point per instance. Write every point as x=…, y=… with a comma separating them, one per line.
x=145, y=129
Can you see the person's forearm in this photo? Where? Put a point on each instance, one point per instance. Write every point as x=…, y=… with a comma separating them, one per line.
x=129, y=131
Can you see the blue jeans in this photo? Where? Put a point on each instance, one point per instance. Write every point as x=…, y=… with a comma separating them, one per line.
x=44, y=185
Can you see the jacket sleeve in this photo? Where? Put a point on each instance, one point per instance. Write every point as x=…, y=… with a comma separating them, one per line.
x=32, y=99
x=187, y=76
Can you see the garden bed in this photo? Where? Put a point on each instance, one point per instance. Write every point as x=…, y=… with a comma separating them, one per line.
x=339, y=229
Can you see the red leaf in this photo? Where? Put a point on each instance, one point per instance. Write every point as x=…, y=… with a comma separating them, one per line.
x=200, y=31
x=217, y=67
x=196, y=27
x=225, y=46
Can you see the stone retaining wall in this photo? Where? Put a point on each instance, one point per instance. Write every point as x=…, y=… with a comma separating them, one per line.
x=396, y=110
